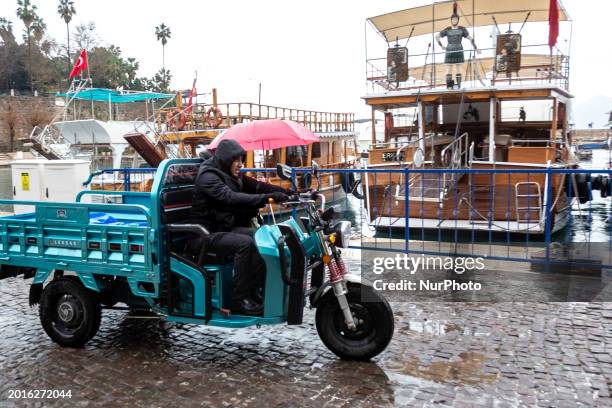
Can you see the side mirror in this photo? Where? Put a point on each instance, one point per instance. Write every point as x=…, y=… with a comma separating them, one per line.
x=283, y=171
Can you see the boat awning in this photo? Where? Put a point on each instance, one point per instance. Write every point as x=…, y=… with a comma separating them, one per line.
x=111, y=95
x=474, y=13
x=92, y=131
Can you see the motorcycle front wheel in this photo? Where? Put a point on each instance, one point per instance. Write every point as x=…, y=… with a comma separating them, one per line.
x=372, y=314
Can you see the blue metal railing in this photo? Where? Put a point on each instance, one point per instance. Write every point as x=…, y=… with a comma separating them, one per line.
x=122, y=179
x=470, y=219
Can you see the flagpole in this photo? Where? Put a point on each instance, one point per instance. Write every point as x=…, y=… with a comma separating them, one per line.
x=90, y=85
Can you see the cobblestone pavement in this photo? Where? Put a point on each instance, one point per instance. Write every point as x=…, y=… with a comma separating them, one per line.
x=458, y=355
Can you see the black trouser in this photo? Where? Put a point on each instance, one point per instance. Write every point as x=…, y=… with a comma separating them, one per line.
x=249, y=266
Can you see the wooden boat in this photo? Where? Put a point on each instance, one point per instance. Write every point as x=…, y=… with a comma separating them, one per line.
x=181, y=132
x=428, y=126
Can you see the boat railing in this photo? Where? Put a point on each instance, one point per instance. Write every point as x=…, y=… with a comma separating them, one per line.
x=528, y=142
x=49, y=142
x=427, y=71
x=121, y=180
x=223, y=115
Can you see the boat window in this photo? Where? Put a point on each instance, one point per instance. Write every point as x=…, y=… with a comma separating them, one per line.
x=266, y=158
x=526, y=110
x=297, y=156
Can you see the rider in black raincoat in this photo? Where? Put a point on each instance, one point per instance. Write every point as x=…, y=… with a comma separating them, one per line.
x=225, y=202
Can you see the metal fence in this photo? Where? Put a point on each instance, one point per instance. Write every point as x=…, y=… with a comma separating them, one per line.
x=546, y=217
x=543, y=218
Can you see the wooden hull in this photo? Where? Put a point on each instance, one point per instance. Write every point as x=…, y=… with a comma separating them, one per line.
x=475, y=202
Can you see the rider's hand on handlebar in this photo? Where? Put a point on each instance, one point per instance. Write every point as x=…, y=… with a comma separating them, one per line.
x=277, y=197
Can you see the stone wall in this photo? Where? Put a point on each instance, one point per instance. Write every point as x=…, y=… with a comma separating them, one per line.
x=21, y=114
x=591, y=134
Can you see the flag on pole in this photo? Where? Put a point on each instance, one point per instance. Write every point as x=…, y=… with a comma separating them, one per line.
x=191, y=95
x=553, y=23
x=80, y=64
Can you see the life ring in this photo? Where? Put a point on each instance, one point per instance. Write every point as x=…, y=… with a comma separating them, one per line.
x=171, y=119
x=305, y=181
x=214, y=117
x=350, y=185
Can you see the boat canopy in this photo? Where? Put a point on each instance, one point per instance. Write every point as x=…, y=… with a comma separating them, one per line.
x=113, y=96
x=474, y=13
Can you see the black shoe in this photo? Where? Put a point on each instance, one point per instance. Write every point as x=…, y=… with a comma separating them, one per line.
x=449, y=81
x=247, y=307
x=257, y=297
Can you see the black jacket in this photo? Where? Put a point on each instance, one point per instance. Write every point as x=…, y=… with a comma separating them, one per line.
x=222, y=201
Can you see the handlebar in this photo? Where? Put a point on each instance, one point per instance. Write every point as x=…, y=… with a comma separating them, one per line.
x=305, y=198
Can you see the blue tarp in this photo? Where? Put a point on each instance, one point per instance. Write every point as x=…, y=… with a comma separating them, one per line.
x=106, y=219
x=106, y=95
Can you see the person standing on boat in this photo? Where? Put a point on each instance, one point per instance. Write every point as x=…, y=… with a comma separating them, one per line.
x=225, y=202
x=454, y=57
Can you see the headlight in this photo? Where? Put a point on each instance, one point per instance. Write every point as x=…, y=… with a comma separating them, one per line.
x=343, y=233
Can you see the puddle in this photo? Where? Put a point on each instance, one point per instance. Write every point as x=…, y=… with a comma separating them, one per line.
x=467, y=369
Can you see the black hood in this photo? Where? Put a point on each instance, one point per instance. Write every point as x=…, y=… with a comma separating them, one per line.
x=226, y=153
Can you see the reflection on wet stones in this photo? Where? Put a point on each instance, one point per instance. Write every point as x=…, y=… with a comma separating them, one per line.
x=468, y=368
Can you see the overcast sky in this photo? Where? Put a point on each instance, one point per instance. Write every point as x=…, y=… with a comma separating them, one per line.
x=307, y=54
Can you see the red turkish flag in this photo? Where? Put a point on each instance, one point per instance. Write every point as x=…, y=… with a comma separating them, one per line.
x=79, y=65
x=553, y=23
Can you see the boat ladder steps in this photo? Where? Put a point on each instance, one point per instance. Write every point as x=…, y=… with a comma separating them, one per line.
x=525, y=194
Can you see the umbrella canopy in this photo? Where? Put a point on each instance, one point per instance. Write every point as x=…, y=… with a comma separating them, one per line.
x=267, y=135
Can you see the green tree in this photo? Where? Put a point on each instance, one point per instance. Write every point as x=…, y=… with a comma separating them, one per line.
x=6, y=31
x=162, y=32
x=66, y=10
x=26, y=11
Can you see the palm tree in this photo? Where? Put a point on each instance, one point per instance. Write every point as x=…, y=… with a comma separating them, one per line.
x=66, y=10
x=38, y=29
x=26, y=11
x=162, y=32
x=6, y=30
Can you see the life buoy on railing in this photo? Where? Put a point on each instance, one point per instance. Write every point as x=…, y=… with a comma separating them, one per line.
x=214, y=117
x=176, y=119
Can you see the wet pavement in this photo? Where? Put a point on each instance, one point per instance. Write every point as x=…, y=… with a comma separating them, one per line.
x=457, y=355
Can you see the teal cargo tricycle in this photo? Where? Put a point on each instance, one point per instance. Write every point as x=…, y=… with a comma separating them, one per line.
x=85, y=257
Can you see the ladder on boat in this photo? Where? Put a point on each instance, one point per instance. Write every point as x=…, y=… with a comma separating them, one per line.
x=528, y=200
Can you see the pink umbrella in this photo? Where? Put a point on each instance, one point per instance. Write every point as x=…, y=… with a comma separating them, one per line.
x=267, y=135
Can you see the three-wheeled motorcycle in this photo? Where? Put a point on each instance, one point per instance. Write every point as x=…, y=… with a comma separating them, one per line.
x=85, y=257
